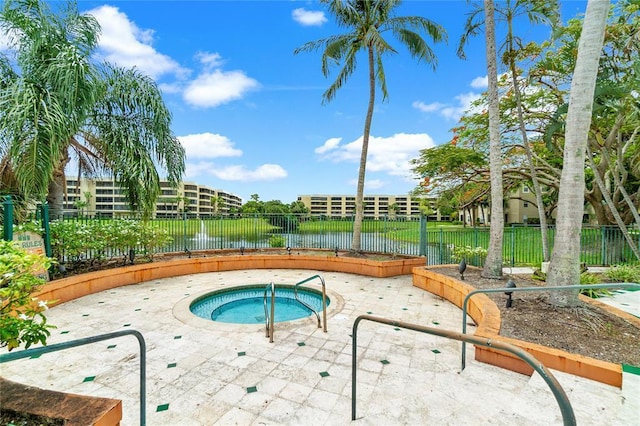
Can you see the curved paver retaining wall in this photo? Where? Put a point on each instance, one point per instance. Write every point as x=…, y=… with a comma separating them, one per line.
x=487, y=315
x=66, y=289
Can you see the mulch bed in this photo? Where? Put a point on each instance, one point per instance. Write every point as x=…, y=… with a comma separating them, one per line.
x=585, y=329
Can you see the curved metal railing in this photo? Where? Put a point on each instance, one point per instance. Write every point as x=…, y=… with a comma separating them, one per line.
x=324, y=300
x=269, y=318
x=568, y=415
x=12, y=356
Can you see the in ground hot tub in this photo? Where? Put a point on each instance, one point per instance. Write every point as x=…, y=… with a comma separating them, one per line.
x=246, y=304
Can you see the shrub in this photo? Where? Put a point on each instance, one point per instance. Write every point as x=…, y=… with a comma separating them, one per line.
x=624, y=273
x=472, y=255
x=151, y=239
x=589, y=278
x=75, y=242
x=276, y=241
x=21, y=316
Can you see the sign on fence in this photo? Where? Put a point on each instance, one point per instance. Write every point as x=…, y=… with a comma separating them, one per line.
x=34, y=244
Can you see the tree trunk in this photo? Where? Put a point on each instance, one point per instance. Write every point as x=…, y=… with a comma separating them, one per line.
x=493, y=263
x=357, y=222
x=564, y=268
x=532, y=168
x=56, y=190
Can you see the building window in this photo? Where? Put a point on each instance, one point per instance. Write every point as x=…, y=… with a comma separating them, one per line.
x=526, y=204
x=525, y=189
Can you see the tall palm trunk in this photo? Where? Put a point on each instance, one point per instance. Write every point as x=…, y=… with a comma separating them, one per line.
x=564, y=268
x=493, y=263
x=357, y=223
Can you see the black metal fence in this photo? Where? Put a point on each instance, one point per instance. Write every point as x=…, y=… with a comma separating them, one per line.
x=88, y=235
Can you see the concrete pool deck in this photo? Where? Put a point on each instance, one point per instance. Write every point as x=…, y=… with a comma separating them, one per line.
x=222, y=374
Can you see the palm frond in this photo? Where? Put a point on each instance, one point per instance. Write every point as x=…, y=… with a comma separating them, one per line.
x=472, y=27
x=417, y=47
x=130, y=128
x=347, y=69
x=336, y=50
x=381, y=78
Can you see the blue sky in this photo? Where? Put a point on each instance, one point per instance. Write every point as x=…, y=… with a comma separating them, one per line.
x=249, y=112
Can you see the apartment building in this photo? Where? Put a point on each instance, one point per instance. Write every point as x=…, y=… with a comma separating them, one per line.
x=103, y=196
x=375, y=206
x=519, y=207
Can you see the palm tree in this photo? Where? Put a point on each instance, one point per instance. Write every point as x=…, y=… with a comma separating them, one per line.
x=565, y=260
x=493, y=262
x=367, y=21
x=58, y=105
x=537, y=11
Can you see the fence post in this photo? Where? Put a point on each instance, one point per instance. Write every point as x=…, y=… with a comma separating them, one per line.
x=7, y=233
x=475, y=236
x=423, y=235
x=184, y=228
x=441, y=247
x=513, y=245
x=603, y=245
x=44, y=212
x=384, y=232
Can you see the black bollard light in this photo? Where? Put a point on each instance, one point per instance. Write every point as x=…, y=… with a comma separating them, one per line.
x=289, y=250
x=510, y=284
x=336, y=251
x=461, y=268
x=132, y=255
x=242, y=250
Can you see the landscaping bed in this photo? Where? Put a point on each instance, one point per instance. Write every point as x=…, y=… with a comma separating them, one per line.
x=586, y=330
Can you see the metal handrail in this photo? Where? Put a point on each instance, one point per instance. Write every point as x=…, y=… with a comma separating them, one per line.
x=270, y=318
x=12, y=356
x=513, y=289
x=568, y=415
x=324, y=300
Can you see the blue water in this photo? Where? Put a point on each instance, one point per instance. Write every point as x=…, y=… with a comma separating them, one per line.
x=245, y=305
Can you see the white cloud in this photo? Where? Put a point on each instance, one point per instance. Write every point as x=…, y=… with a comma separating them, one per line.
x=434, y=106
x=194, y=170
x=452, y=111
x=218, y=87
x=308, y=17
x=460, y=105
x=240, y=173
x=208, y=145
x=210, y=60
x=329, y=145
x=390, y=155
x=170, y=88
x=215, y=87
x=480, y=82
x=123, y=43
